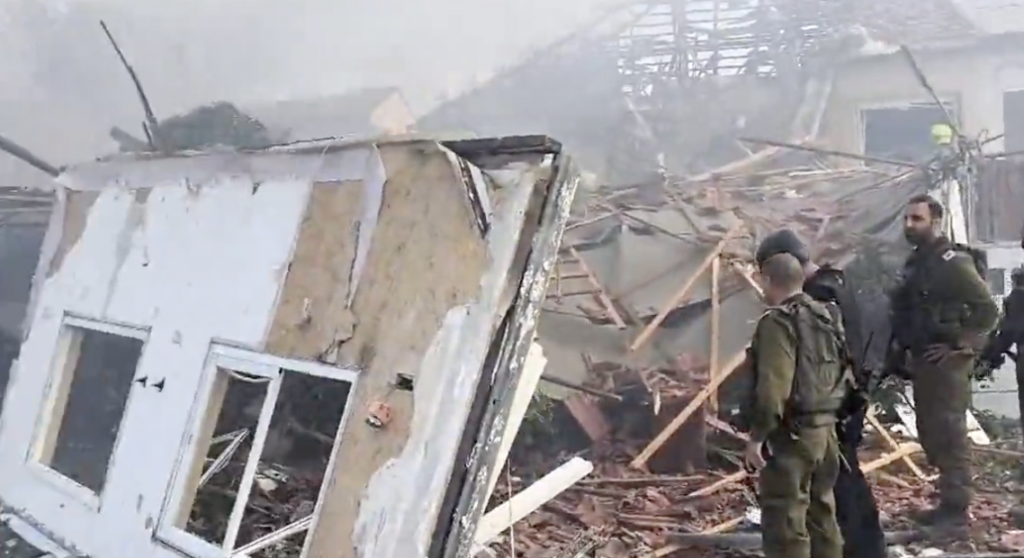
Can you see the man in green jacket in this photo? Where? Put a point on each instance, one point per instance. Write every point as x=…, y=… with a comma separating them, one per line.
x=941, y=312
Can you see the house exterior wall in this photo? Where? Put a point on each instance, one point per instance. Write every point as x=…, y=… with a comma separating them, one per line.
x=974, y=77
x=367, y=257
x=189, y=266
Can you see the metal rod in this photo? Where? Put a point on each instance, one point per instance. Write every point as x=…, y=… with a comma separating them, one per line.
x=921, y=79
x=576, y=387
x=820, y=151
x=20, y=152
x=147, y=109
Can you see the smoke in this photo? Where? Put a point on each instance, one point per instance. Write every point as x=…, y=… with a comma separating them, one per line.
x=62, y=87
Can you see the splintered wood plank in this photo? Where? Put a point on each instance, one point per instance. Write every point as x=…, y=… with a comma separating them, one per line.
x=600, y=292
x=734, y=363
x=716, y=324
x=684, y=290
x=894, y=445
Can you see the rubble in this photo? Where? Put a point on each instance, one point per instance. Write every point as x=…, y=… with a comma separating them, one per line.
x=647, y=319
x=651, y=514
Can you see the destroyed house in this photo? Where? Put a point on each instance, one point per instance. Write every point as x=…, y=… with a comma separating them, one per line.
x=310, y=350
x=684, y=89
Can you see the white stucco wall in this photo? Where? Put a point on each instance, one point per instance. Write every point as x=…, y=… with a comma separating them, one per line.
x=197, y=250
x=190, y=250
x=975, y=77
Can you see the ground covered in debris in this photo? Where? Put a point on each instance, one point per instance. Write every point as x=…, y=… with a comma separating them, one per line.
x=618, y=511
x=13, y=546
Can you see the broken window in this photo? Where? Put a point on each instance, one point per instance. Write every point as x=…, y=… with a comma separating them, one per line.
x=1013, y=121
x=903, y=133
x=87, y=401
x=252, y=472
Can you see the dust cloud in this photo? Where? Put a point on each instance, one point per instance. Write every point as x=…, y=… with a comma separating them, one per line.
x=62, y=88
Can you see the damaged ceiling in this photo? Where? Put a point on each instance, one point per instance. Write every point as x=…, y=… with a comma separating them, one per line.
x=656, y=72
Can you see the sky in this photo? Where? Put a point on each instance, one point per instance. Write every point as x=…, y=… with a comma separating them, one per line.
x=190, y=52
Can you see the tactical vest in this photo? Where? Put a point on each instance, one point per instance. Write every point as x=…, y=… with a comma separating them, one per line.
x=916, y=308
x=822, y=380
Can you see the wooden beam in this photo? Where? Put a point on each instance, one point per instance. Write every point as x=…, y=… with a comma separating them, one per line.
x=529, y=500
x=684, y=290
x=748, y=276
x=894, y=445
x=725, y=526
x=903, y=451
x=716, y=380
x=719, y=484
x=601, y=294
x=716, y=320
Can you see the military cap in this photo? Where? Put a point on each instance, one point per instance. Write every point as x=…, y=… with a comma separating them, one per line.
x=783, y=241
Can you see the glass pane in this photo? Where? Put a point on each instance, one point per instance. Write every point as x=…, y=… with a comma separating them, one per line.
x=91, y=397
x=293, y=463
x=224, y=443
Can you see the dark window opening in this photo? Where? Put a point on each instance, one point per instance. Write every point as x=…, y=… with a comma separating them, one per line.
x=903, y=134
x=91, y=401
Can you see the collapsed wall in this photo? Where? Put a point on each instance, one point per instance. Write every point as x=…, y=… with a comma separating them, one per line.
x=356, y=294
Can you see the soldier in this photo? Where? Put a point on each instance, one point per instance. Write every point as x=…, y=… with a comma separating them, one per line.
x=856, y=508
x=941, y=313
x=799, y=364
x=1010, y=332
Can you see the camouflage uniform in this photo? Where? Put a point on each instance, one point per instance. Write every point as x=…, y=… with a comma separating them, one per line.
x=798, y=360
x=856, y=508
x=943, y=301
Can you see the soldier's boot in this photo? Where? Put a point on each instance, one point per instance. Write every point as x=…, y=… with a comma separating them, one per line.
x=945, y=521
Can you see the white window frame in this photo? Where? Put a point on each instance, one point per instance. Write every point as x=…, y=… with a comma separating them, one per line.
x=61, y=375
x=257, y=364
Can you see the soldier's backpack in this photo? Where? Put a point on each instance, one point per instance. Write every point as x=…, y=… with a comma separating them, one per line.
x=823, y=378
x=978, y=256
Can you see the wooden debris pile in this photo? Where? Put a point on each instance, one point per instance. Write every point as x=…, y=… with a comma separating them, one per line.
x=624, y=511
x=653, y=411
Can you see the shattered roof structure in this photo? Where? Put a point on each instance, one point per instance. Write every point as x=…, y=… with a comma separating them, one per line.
x=655, y=72
x=644, y=330
x=626, y=259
